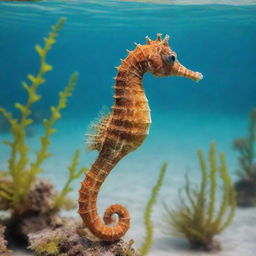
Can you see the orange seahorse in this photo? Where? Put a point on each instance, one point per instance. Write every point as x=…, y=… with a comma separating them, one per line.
x=124, y=130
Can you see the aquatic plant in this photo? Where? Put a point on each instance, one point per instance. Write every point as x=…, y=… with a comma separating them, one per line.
x=246, y=186
x=148, y=240
x=246, y=148
x=197, y=219
x=16, y=182
x=61, y=199
x=124, y=129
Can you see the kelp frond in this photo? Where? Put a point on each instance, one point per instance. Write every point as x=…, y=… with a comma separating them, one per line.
x=73, y=174
x=22, y=171
x=42, y=154
x=148, y=240
x=246, y=185
x=246, y=148
x=198, y=219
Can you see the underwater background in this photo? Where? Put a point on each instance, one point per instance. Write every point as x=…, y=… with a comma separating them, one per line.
x=216, y=39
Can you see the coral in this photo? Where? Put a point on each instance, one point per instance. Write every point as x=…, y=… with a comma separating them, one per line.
x=246, y=186
x=38, y=213
x=17, y=181
x=3, y=243
x=197, y=218
x=66, y=240
x=148, y=240
x=41, y=197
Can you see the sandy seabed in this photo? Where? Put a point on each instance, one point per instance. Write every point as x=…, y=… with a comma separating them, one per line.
x=173, y=138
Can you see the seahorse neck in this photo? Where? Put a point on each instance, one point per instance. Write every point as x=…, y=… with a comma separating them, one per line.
x=131, y=109
x=129, y=91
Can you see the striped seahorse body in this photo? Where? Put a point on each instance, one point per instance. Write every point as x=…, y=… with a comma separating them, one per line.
x=124, y=130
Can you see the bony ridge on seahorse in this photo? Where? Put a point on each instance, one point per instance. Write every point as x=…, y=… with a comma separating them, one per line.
x=124, y=130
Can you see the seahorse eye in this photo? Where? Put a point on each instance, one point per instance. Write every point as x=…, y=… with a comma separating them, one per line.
x=171, y=58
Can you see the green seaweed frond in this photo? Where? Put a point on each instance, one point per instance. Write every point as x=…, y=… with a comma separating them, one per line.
x=246, y=148
x=42, y=154
x=73, y=174
x=148, y=240
x=213, y=183
x=197, y=218
x=22, y=171
x=228, y=198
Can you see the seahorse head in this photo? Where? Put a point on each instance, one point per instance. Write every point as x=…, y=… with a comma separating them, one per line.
x=163, y=61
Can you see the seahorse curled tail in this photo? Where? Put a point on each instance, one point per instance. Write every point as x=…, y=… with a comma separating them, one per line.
x=88, y=199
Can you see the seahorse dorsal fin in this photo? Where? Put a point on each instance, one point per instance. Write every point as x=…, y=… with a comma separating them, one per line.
x=165, y=40
x=148, y=40
x=159, y=37
x=96, y=137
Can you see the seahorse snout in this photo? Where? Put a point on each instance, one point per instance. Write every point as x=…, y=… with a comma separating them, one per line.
x=180, y=70
x=197, y=76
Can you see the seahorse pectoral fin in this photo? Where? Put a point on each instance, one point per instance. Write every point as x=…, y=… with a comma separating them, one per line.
x=96, y=137
x=180, y=70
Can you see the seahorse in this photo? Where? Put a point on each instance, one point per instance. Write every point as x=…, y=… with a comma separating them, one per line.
x=124, y=129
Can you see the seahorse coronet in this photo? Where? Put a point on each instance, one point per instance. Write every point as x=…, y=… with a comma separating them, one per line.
x=123, y=131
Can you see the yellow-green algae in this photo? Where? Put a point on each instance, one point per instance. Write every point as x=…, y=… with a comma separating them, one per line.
x=246, y=185
x=199, y=218
x=246, y=148
x=16, y=182
x=50, y=248
x=73, y=174
x=148, y=239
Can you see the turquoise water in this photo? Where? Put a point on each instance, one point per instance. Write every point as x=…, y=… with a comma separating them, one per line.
x=217, y=40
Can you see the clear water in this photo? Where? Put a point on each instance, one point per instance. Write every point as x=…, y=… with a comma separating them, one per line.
x=217, y=39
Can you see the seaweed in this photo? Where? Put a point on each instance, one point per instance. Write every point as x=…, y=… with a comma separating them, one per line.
x=33, y=202
x=16, y=182
x=61, y=199
x=148, y=239
x=198, y=219
x=246, y=148
x=246, y=185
